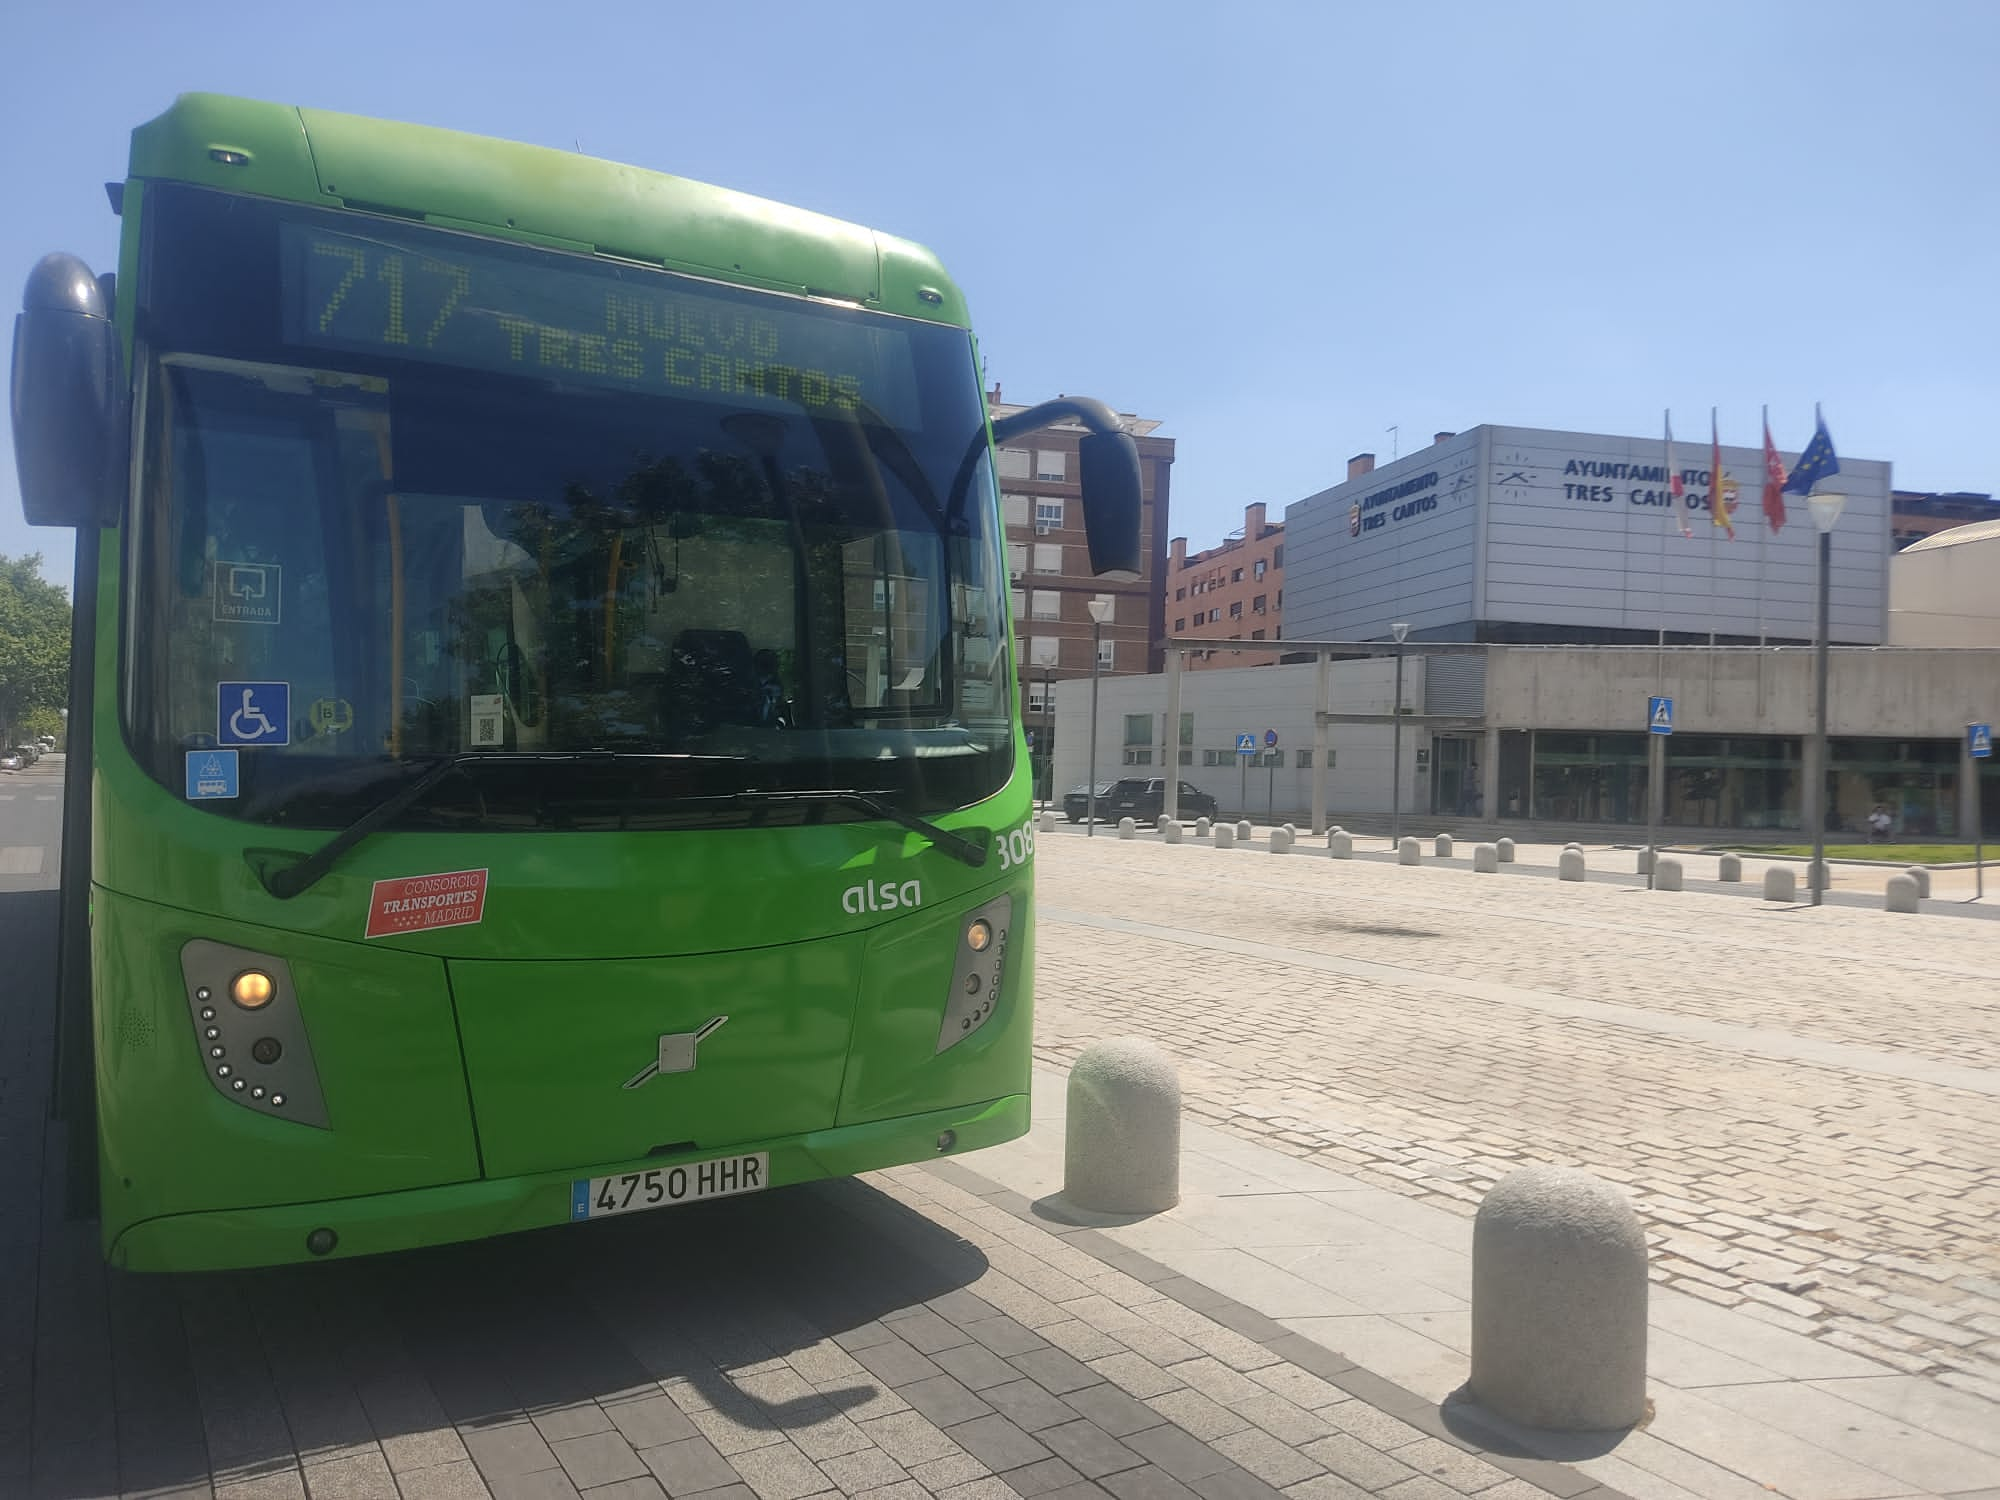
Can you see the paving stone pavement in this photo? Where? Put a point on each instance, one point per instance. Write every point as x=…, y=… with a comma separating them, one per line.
x=909, y=1334
x=1805, y=1104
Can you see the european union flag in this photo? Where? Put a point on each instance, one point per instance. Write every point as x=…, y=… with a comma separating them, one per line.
x=1815, y=463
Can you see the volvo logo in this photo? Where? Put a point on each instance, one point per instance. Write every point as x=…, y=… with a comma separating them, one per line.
x=677, y=1052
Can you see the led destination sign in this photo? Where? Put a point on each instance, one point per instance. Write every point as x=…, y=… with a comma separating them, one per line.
x=440, y=298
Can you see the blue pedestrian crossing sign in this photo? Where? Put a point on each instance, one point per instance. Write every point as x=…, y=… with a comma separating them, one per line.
x=1246, y=744
x=1979, y=740
x=1660, y=715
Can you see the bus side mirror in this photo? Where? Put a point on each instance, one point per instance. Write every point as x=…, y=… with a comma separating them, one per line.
x=1109, y=463
x=68, y=408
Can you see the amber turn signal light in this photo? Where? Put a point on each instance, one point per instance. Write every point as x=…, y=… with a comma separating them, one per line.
x=252, y=989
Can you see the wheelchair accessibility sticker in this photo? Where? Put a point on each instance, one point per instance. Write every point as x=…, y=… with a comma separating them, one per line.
x=253, y=713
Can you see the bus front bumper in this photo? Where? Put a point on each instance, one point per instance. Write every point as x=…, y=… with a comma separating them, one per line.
x=227, y=1239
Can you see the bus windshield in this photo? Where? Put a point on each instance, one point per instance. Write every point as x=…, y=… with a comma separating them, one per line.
x=407, y=494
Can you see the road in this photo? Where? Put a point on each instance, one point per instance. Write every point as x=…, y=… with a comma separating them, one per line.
x=1804, y=1103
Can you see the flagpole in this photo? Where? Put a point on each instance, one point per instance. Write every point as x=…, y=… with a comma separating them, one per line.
x=1762, y=532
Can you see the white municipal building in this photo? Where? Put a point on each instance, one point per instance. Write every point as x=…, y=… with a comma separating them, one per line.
x=1536, y=571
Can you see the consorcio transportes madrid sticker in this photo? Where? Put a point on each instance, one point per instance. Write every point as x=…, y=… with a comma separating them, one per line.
x=417, y=903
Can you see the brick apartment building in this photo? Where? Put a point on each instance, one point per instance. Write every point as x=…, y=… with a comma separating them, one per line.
x=1048, y=566
x=1235, y=590
x=1916, y=514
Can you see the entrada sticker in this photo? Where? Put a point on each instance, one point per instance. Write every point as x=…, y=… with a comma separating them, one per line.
x=210, y=774
x=248, y=593
x=418, y=903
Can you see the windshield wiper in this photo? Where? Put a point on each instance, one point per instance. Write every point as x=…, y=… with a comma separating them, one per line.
x=971, y=851
x=287, y=880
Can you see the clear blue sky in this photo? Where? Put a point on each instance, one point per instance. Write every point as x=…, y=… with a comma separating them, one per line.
x=1277, y=228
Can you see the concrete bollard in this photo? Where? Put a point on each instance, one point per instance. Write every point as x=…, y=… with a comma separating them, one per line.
x=1281, y=841
x=1160, y=823
x=1819, y=875
x=1122, y=1146
x=1046, y=823
x=1201, y=828
x=1667, y=874
x=1126, y=828
x=1224, y=835
x=1171, y=833
x=1573, y=844
x=1729, y=867
x=1340, y=845
x=1293, y=831
x=1901, y=894
x=1570, y=865
x=1645, y=860
x=1506, y=848
x=1486, y=859
x=1780, y=884
x=1442, y=845
x=1244, y=831
x=1921, y=874
x=1558, y=1302
x=1409, y=852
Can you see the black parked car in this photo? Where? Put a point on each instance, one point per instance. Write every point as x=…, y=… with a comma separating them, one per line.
x=1136, y=797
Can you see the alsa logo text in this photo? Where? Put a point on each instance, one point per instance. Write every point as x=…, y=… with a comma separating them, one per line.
x=885, y=895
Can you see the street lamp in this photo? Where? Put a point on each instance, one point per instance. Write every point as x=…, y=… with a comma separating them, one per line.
x=1100, y=611
x=1399, y=631
x=1825, y=512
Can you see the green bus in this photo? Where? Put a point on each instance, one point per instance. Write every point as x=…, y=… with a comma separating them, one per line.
x=544, y=707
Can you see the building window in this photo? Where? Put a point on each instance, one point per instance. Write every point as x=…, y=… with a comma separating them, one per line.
x=1216, y=757
x=1105, y=653
x=1187, y=729
x=1138, y=757
x=1187, y=757
x=1257, y=605
x=1214, y=616
x=1045, y=604
x=1038, y=698
x=1045, y=650
x=1138, y=729
x=1179, y=594
x=1048, y=516
x=1236, y=575
x=1017, y=558
x=1015, y=463
x=1180, y=624
x=1051, y=464
x=1278, y=555
x=1048, y=557
x=1256, y=635
x=1020, y=601
x=1236, y=610
x=1281, y=598
x=1018, y=510
x=1305, y=760
x=1259, y=570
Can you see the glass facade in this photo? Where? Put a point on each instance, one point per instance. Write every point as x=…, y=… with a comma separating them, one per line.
x=1916, y=780
x=1753, y=782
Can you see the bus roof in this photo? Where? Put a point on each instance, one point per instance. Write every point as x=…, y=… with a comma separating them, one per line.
x=539, y=196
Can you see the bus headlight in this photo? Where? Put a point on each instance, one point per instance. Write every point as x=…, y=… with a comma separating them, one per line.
x=975, y=978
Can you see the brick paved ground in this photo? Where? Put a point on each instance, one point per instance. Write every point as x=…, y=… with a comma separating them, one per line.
x=911, y=1334
x=1806, y=1105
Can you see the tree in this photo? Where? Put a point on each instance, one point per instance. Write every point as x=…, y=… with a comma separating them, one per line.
x=34, y=644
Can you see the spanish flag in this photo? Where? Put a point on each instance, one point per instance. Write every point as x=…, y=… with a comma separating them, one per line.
x=1721, y=488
